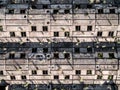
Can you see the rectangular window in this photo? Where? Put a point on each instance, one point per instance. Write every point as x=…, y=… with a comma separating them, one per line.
x=45, y=28
x=23, y=34
x=89, y=72
x=45, y=72
x=45, y=50
x=1, y=72
x=56, y=34
x=56, y=77
x=100, y=11
x=67, y=77
x=34, y=72
x=110, y=34
x=77, y=28
x=1, y=28
x=11, y=11
x=11, y=56
x=12, y=77
x=78, y=72
x=23, y=77
x=34, y=50
x=55, y=11
x=12, y=34
x=112, y=11
x=99, y=77
x=111, y=55
x=89, y=28
x=110, y=77
x=66, y=34
x=22, y=56
x=66, y=55
x=33, y=28
x=66, y=11
x=89, y=49
x=22, y=11
x=56, y=55
x=100, y=55
x=77, y=50
x=45, y=6
x=99, y=33
x=77, y=6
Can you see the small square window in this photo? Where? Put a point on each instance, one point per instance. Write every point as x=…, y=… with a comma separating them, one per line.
x=23, y=34
x=1, y=28
x=34, y=50
x=45, y=50
x=89, y=5
x=67, y=55
x=99, y=33
x=22, y=56
x=100, y=11
x=45, y=28
x=34, y=72
x=110, y=77
x=89, y=49
x=33, y=28
x=11, y=56
x=66, y=11
x=1, y=72
x=99, y=77
x=56, y=55
x=22, y=11
x=12, y=77
x=77, y=50
x=12, y=34
x=89, y=28
x=56, y=34
x=55, y=11
x=77, y=28
x=78, y=72
x=67, y=77
x=77, y=6
x=45, y=72
x=56, y=77
x=112, y=11
x=23, y=77
x=110, y=34
x=66, y=34
x=100, y=55
x=11, y=11
x=111, y=55
x=45, y=6
x=89, y=72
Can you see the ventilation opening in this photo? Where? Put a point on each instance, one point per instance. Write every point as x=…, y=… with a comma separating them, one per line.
x=2, y=87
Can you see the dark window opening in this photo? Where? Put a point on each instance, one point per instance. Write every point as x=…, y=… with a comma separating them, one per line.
x=23, y=77
x=34, y=7
x=23, y=34
x=77, y=28
x=12, y=77
x=45, y=6
x=67, y=77
x=89, y=72
x=110, y=34
x=22, y=56
x=99, y=77
x=89, y=6
x=33, y=28
x=111, y=55
x=45, y=72
x=56, y=55
x=100, y=11
x=100, y=55
x=110, y=77
x=66, y=34
x=45, y=28
x=99, y=33
x=34, y=50
x=45, y=50
x=12, y=34
x=66, y=55
x=11, y=56
x=112, y=11
x=77, y=50
x=1, y=28
x=55, y=11
x=56, y=77
x=22, y=11
x=89, y=50
x=66, y=11
x=89, y=28
x=78, y=72
x=1, y=72
x=11, y=11
x=56, y=34
x=34, y=72
x=77, y=6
